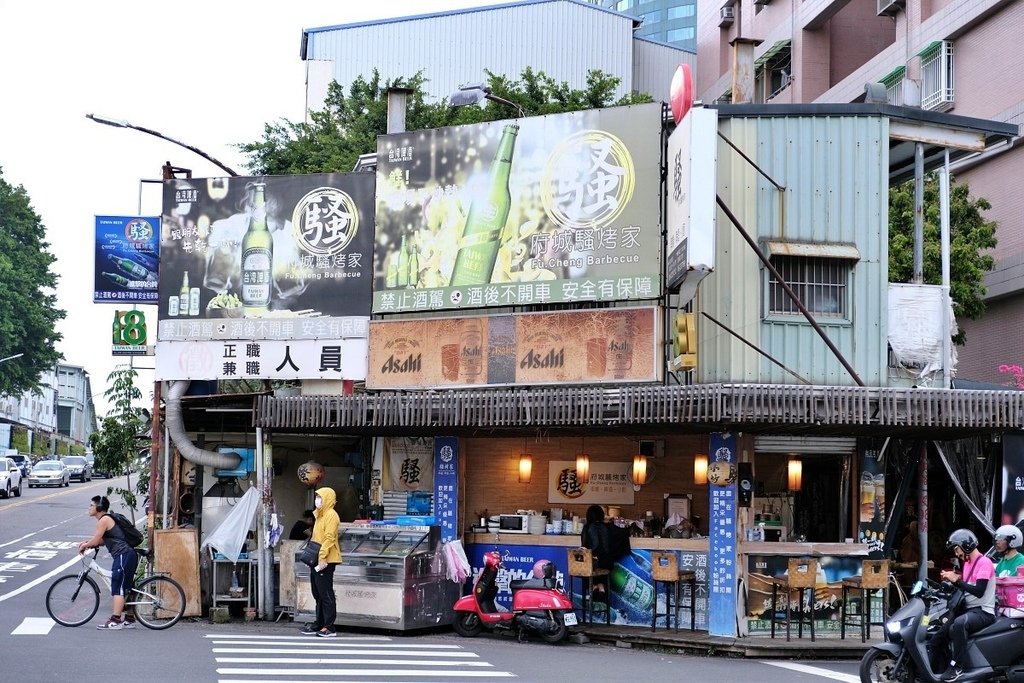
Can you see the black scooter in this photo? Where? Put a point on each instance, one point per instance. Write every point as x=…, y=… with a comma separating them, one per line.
x=995, y=653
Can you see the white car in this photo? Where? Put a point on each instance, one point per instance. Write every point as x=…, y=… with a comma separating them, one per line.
x=10, y=478
x=49, y=473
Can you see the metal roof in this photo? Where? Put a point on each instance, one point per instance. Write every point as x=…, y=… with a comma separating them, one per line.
x=901, y=151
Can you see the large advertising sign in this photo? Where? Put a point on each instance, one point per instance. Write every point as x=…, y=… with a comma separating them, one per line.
x=611, y=345
x=127, y=258
x=262, y=359
x=290, y=256
x=691, y=210
x=558, y=208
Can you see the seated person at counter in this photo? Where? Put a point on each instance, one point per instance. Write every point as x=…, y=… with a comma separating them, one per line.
x=302, y=528
x=1007, y=539
x=596, y=536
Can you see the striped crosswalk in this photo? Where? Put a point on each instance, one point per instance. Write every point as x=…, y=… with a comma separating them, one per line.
x=251, y=658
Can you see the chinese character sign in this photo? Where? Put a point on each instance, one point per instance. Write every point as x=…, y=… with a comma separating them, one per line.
x=267, y=359
x=722, y=581
x=446, y=486
x=610, y=482
x=410, y=463
x=691, y=205
x=272, y=248
x=127, y=259
x=557, y=208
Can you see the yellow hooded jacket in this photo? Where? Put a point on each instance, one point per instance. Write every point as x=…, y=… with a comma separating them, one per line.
x=325, y=528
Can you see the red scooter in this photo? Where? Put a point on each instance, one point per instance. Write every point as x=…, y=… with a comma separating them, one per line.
x=538, y=605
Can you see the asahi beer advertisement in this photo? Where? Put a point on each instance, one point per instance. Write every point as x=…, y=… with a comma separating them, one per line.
x=546, y=209
x=127, y=259
x=578, y=347
x=288, y=255
x=691, y=211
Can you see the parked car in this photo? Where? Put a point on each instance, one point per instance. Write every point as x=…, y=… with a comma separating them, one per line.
x=78, y=467
x=92, y=465
x=10, y=478
x=49, y=473
x=23, y=462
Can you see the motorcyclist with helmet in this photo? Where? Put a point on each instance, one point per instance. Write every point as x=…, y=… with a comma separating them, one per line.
x=977, y=581
x=1007, y=539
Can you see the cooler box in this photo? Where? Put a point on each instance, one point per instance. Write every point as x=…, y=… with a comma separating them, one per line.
x=1010, y=596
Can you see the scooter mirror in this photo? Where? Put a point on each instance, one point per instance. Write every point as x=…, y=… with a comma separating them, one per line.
x=917, y=588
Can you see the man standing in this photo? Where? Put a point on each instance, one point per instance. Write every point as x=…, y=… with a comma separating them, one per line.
x=321, y=576
x=126, y=561
x=978, y=582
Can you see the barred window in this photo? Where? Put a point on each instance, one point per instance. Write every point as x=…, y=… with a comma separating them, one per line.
x=821, y=284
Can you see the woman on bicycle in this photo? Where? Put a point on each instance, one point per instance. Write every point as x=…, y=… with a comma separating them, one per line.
x=126, y=561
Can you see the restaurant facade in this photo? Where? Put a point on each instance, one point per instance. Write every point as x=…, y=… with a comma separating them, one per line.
x=695, y=331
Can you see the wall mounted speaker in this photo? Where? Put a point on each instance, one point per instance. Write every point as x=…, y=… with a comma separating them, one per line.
x=745, y=484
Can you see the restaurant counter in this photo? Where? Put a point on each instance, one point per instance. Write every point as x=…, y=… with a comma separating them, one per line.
x=573, y=541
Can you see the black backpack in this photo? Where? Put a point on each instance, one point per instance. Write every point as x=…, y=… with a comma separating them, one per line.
x=618, y=542
x=132, y=535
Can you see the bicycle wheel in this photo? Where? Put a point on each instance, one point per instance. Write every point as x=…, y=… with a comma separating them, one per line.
x=159, y=602
x=73, y=600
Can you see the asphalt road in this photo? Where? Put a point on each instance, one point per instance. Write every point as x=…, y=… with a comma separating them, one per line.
x=38, y=534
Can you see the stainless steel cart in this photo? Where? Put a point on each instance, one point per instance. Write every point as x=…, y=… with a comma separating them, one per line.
x=390, y=577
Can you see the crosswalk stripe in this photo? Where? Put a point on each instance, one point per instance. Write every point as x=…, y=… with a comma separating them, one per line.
x=339, y=642
x=807, y=669
x=361, y=672
x=34, y=626
x=251, y=636
x=343, y=660
x=339, y=651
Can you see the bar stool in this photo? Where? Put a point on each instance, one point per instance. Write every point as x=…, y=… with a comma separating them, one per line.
x=665, y=569
x=800, y=576
x=874, y=576
x=581, y=566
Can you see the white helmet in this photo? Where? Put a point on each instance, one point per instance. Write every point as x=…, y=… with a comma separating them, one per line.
x=1010, y=534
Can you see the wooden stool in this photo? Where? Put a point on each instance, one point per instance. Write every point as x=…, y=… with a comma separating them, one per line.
x=581, y=566
x=665, y=569
x=874, y=576
x=800, y=577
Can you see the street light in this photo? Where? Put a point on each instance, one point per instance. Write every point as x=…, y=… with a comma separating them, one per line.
x=17, y=355
x=475, y=94
x=124, y=124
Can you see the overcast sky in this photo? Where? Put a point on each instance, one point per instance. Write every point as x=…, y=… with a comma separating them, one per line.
x=207, y=73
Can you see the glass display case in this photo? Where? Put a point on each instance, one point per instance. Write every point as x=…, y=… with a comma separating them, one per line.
x=389, y=577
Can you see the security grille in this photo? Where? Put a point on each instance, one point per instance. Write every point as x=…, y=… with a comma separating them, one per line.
x=820, y=283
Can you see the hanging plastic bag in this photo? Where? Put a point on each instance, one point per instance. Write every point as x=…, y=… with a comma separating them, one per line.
x=456, y=562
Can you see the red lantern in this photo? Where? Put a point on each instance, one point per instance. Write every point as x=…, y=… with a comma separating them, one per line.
x=311, y=473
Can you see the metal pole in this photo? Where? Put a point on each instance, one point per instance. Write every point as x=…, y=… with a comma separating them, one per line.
x=919, y=213
x=167, y=475
x=149, y=131
x=154, y=458
x=947, y=324
x=922, y=511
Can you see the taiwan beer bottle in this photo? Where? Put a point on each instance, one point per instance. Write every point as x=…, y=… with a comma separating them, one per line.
x=131, y=267
x=183, y=296
x=414, y=263
x=478, y=249
x=116, y=329
x=116, y=279
x=257, y=258
x=402, y=265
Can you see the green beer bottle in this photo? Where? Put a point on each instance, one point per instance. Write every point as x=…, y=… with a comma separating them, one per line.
x=183, y=296
x=257, y=258
x=116, y=279
x=402, y=265
x=478, y=248
x=414, y=263
x=130, y=267
x=637, y=593
x=116, y=329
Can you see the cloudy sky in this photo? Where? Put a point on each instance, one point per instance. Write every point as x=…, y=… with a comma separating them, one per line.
x=209, y=74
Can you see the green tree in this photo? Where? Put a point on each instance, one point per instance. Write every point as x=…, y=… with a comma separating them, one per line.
x=349, y=123
x=970, y=235
x=121, y=435
x=28, y=302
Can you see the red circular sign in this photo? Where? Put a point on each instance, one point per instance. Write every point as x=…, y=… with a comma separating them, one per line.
x=681, y=93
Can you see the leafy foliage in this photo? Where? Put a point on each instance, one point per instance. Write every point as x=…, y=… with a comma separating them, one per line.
x=349, y=123
x=28, y=302
x=117, y=443
x=970, y=235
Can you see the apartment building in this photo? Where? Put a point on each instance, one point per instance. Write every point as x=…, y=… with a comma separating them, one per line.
x=666, y=21
x=942, y=55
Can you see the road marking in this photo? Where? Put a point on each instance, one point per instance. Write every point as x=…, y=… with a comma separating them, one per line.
x=337, y=651
x=805, y=669
x=363, y=672
x=44, y=577
x=343, y=660
x=34, y=626
x=36, y=533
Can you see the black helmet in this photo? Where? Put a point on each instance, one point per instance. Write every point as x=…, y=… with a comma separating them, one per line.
x=964, y=538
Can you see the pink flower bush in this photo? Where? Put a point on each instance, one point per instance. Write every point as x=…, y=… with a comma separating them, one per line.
x=1016, y=371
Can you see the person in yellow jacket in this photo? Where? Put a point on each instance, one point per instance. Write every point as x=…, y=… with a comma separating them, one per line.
x=321, y=577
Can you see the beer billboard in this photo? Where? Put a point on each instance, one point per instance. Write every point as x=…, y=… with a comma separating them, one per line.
x=546, y=209
x=269, y=258
x=127, y=259
x=611, y=345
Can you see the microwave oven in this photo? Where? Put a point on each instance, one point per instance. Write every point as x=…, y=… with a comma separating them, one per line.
x=514, y=524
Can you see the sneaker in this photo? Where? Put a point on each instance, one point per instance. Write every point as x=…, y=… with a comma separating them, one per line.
x=111, y=624
x=953, y=673
x=326, y=633
x=309, y=630
x=127, y=623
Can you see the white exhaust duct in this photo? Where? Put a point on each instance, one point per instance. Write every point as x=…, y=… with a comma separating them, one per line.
x=176, y=428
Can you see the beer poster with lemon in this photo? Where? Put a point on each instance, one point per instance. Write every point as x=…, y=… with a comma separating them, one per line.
x=546, y=209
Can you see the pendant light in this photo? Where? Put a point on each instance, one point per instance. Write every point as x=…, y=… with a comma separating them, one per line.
x=582, y=465
x=700, y=469
x=639, y=469
x=795, y=472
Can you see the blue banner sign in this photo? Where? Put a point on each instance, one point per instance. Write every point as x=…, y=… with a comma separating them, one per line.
x=446, y=485
x=127, y=259
x=722, y=535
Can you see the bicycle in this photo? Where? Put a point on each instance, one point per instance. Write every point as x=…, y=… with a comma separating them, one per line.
x=158, y=600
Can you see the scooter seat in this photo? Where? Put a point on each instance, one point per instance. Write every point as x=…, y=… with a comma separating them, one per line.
x=1000, y=625
x=531, y=583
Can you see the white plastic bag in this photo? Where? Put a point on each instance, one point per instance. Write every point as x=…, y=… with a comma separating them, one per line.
x=455, y=560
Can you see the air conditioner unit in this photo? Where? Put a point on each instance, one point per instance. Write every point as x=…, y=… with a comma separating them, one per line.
x=726, y=16
x=889, y=7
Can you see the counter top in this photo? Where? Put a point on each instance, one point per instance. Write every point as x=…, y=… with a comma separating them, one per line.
x=804, y=549
x=573, y=541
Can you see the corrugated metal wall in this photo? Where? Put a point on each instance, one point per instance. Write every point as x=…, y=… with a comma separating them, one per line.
x=563, y=39
x=652, y=62
x=835, y=173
